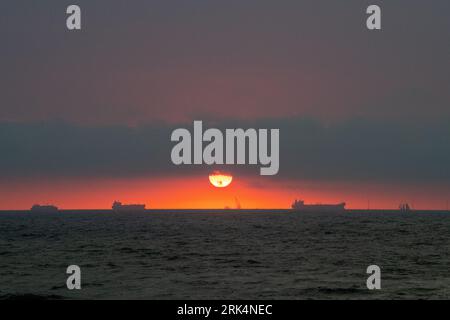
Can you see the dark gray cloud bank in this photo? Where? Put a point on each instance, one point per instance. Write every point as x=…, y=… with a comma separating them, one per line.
x=352, y=150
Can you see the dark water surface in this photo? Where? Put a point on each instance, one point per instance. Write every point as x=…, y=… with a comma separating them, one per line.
x=225, y=255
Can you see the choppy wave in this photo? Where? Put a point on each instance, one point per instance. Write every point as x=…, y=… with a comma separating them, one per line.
x=224, y=256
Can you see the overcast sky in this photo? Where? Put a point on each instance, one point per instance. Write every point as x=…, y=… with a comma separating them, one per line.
x=352, y=105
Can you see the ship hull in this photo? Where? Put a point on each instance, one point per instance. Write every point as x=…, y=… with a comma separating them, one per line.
x=118, y=207
x=320, y=208
x=44, y=209
x=300, y=206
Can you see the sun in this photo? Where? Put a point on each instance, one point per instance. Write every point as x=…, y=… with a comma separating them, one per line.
x=220, y=180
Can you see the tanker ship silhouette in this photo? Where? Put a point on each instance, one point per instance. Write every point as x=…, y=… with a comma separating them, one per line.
x=300, y=206
x=119, y=207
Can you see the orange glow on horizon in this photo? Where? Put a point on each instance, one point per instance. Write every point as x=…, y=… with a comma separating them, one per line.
x=197, y=193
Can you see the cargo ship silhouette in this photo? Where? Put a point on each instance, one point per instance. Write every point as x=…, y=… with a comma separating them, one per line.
x=119, y=207
x=300, y=206
x=37, y=208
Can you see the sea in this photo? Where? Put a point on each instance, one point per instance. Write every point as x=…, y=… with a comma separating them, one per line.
x=225, y=254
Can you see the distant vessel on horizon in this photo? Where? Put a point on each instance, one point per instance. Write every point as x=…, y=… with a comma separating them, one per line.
x=119, y=207
x=238, y=205
x=300, y=206
x=37, y=208
x=404, y=207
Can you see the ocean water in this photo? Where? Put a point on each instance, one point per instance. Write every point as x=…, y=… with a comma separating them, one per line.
x=228, y=255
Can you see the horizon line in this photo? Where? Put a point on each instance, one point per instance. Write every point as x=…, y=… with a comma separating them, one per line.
x=232, y=209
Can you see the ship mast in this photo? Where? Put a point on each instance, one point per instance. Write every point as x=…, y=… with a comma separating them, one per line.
x=238, y=204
